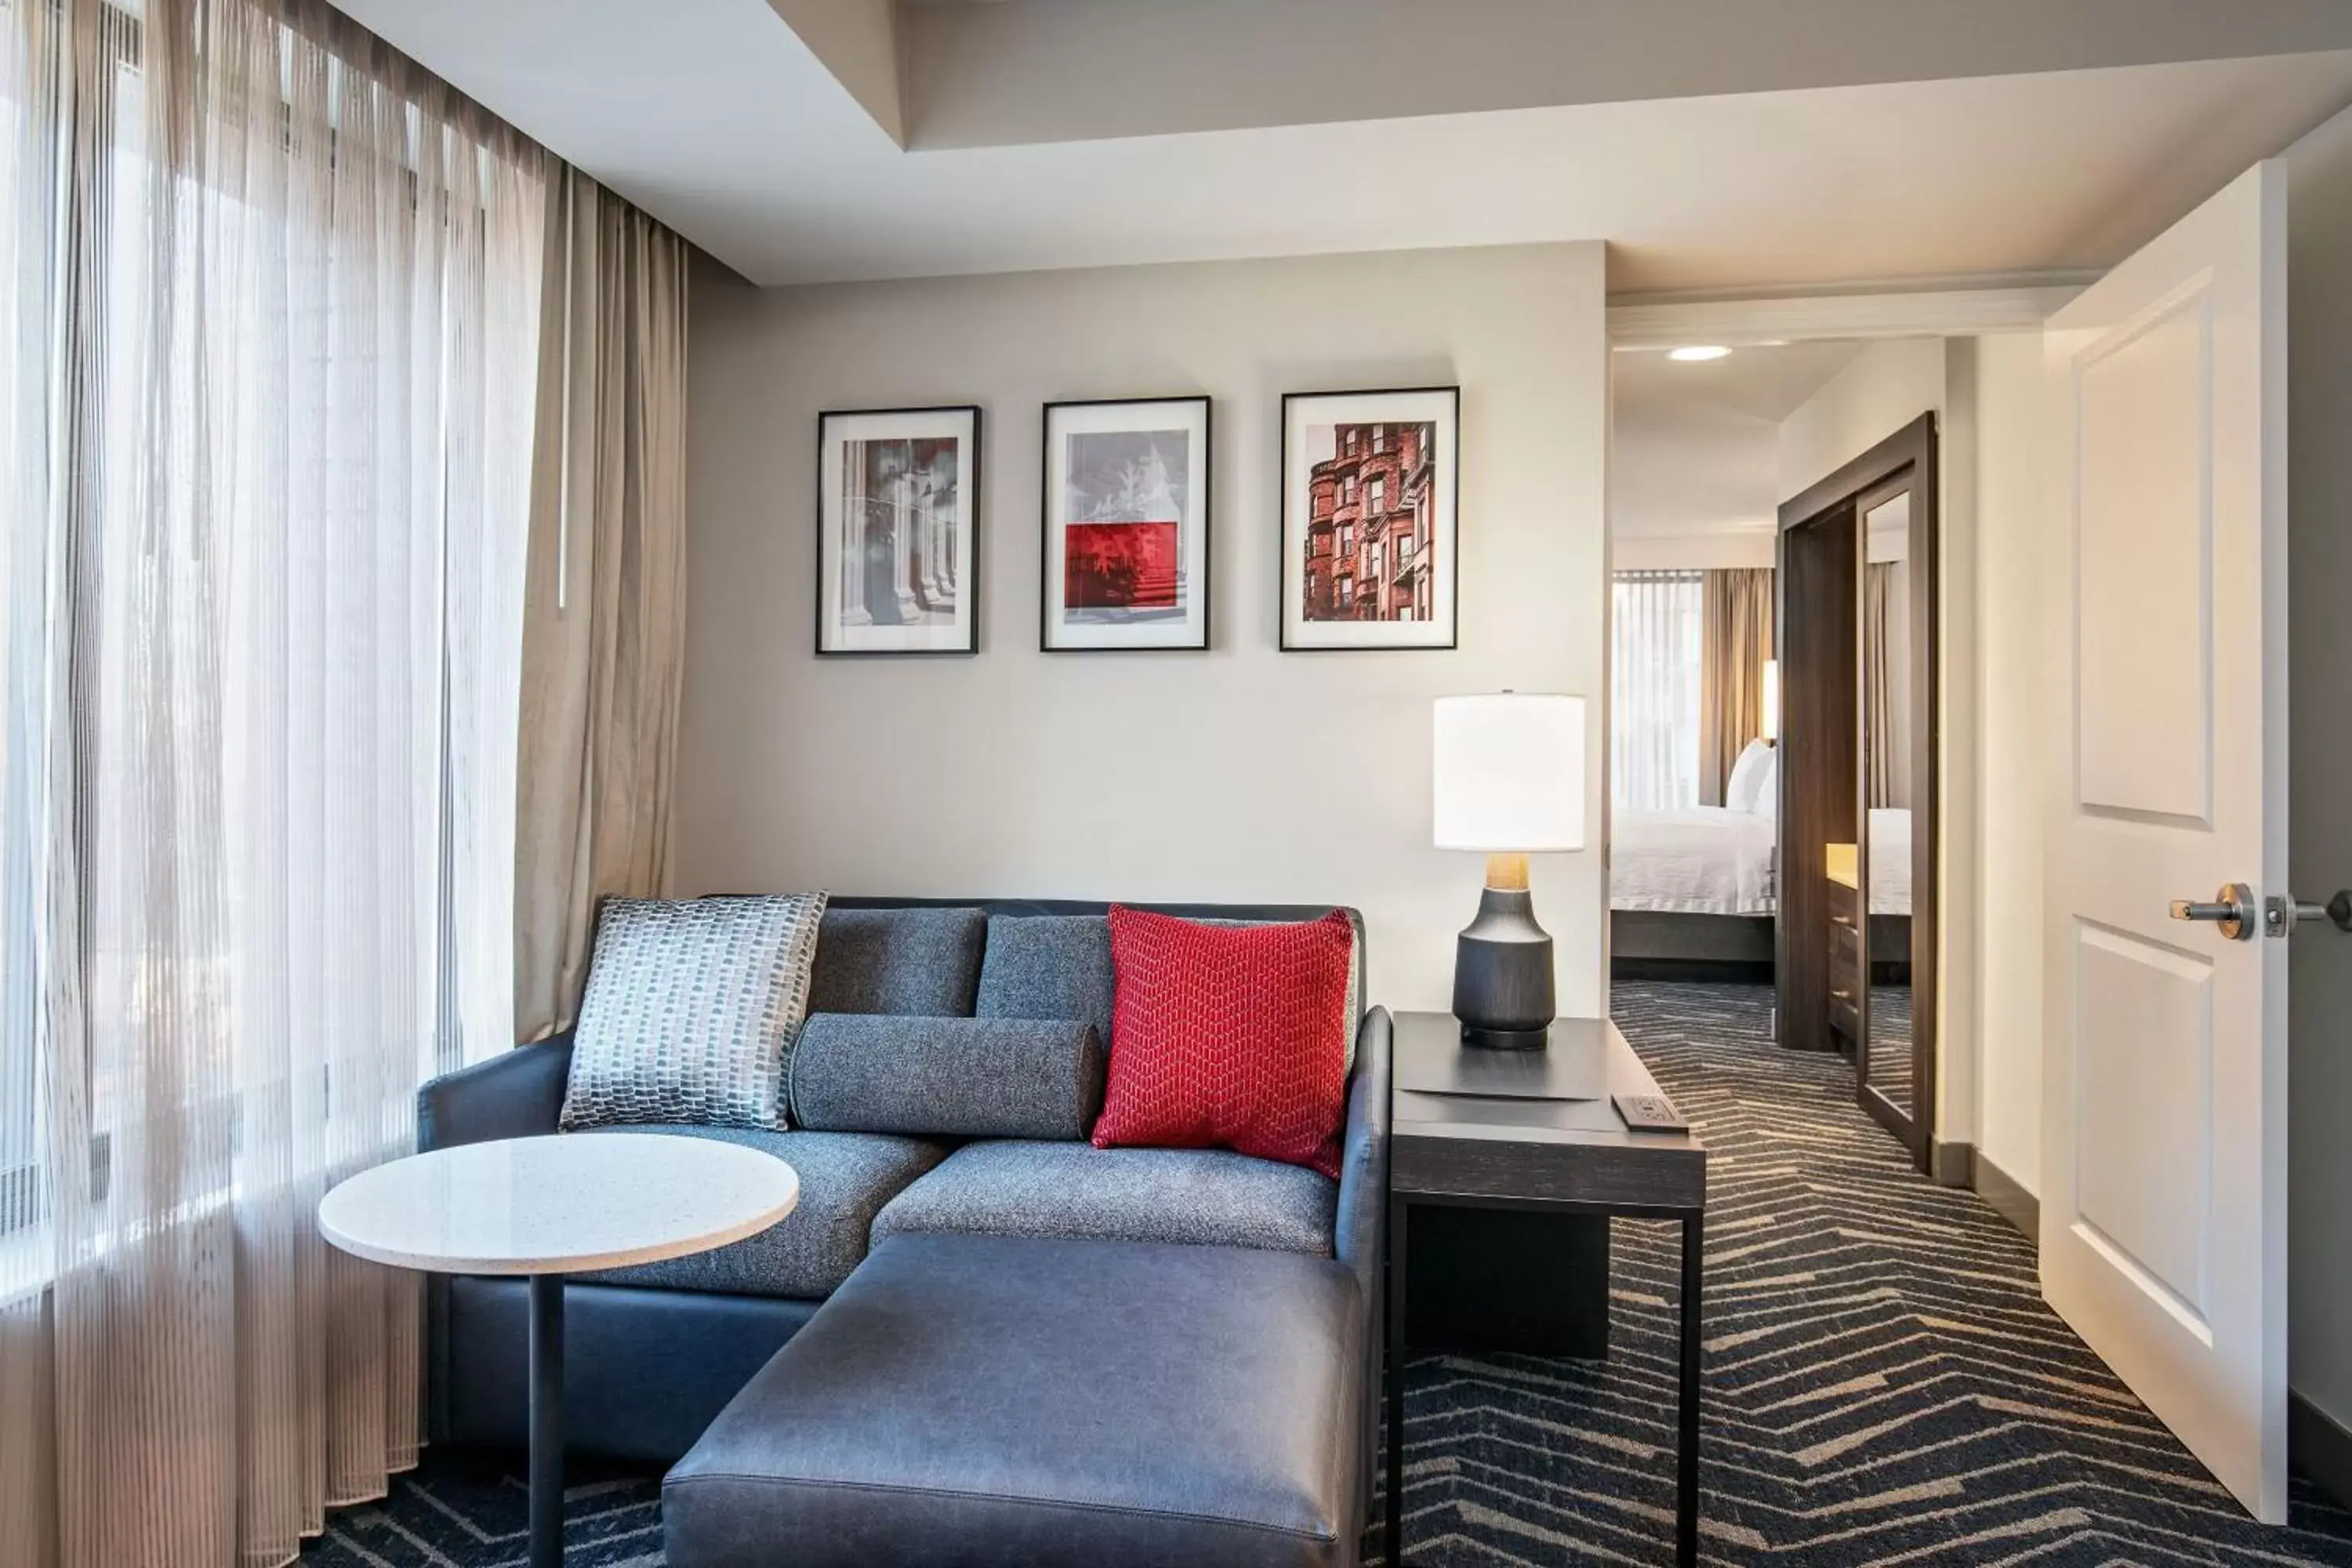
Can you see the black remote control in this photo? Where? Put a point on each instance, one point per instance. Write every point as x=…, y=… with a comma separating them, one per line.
x=1650, y=1113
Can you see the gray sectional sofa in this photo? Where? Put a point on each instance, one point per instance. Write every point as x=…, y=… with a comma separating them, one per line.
x=1017, y=1349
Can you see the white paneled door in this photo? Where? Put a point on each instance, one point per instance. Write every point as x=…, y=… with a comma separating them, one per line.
x=2164, y=1130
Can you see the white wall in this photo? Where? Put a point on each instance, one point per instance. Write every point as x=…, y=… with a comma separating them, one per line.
x=2320, y=828
x=1241, y=773
x=1759, y=546
x=1887, y=386
x=1690, y=467
x=2014, y=503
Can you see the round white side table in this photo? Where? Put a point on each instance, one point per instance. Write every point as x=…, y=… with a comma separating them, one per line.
x=546, y=1208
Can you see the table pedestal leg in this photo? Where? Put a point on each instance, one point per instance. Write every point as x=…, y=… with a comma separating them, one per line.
x=1687, y=1456
x=547, y=1421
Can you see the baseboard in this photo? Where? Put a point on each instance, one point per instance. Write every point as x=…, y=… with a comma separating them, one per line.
x=2008, y=1199
x=1952, y=1164
x=2319, y=1446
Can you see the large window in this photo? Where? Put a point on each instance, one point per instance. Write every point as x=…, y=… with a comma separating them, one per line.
x=21, y=1200
x=264, y=395
x=1656, y=636
x=269, y=306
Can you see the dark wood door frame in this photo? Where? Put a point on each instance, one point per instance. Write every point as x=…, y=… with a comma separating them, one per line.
x=1905, y=461
x=1816, y=637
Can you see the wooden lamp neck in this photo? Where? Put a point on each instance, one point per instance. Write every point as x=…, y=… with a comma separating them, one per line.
x=1507, y=873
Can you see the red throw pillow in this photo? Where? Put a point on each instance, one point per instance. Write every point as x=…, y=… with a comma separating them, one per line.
x=1228, y=1037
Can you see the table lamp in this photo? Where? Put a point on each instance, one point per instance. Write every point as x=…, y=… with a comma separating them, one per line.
x=1508, y=779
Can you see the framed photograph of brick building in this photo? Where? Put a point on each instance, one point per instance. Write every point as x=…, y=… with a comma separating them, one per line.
x=1125, y=553
x=897, y=501
x=1369, y=490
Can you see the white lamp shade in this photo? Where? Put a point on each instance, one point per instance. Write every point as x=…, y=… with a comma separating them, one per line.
x=1510, y=772
x=1772, y=699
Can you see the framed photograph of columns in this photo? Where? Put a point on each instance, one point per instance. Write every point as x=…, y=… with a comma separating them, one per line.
x=897, y=504
x=1125, y=560
x=1369, y=483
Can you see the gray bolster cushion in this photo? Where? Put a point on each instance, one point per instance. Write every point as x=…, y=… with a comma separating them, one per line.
x=955, y=1078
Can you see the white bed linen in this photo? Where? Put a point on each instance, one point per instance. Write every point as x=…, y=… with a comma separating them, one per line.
x=1890, y=861
x=1702, y=860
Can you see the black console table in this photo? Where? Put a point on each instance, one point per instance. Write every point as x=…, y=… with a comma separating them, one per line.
x=1561, y=1156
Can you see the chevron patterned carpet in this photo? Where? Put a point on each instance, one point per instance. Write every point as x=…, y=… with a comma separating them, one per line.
x=1883, y=1384
x=1890, y=1042
x=468, y=1510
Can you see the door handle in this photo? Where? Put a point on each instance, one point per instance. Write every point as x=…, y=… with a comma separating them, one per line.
x=2282, y=915
x=2232, y=910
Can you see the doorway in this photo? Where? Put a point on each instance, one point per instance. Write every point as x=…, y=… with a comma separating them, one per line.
x=2165, y=1253
x=1857, y=1236
x=1761, y=711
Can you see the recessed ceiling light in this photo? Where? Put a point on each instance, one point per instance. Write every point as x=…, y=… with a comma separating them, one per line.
x=1699, y=351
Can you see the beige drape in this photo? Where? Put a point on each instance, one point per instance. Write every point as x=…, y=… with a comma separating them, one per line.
x=268, y=323
x=604, y=625
x=1736, y=640
x=1883, y=761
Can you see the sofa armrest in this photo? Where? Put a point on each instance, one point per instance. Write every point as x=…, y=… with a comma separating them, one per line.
x=511, y=1096
x=1362, y=1223
x=1360, y=1235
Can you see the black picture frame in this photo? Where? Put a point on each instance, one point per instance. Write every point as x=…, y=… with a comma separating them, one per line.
x=1437, y=407
x=970, y=554
x=1197, y=637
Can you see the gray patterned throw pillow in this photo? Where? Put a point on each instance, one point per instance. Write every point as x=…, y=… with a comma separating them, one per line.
x=691, y=1011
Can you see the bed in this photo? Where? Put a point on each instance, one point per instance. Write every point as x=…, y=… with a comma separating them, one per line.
x=1890, y=861
x=1691, y=893
x=1698, y=860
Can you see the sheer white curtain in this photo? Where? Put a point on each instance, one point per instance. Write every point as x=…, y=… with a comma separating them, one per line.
x=1657, y=649
x=270, y=315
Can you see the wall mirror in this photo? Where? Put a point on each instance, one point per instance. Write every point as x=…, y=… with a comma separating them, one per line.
x=1893, y=728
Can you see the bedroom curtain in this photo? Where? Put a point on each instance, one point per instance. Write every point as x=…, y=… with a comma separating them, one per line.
x=603, y=625
x=1656, y=645
x=269, y=321
x=1738, y=641
x=1879, y=758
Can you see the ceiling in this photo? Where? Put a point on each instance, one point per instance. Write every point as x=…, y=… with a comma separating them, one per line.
x=1767, y=383
x=1694, y=446
x=1780, y=142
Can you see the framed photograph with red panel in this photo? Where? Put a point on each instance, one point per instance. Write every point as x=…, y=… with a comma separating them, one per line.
x=1369, y=538
x=1125, y=563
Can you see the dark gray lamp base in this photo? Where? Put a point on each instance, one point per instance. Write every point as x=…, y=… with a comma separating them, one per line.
x=1502, y=974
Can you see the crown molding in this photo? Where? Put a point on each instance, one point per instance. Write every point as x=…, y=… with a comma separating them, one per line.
x=1662, y=322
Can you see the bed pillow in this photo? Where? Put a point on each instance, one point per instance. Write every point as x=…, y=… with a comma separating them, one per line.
x=1747, y=777
x=691, y=1011
x=1767, y=791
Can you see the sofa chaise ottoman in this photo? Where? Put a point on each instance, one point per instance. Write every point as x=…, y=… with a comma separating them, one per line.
x=1024, y=1403
x=653, y=1354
